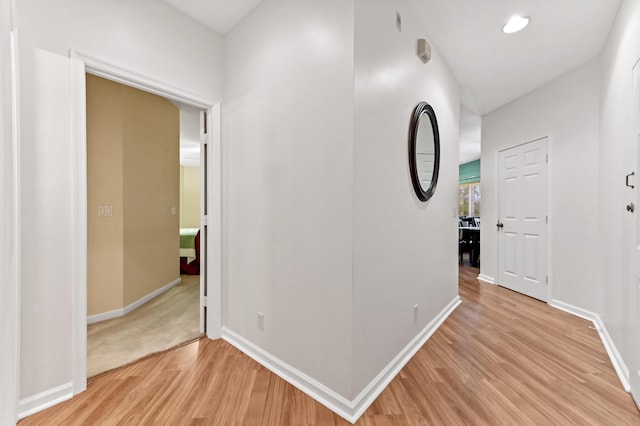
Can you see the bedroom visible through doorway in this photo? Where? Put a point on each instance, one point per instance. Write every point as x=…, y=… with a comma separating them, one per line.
x=143, y=190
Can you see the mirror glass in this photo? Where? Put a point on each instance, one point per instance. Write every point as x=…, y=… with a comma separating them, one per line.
x=424, y=151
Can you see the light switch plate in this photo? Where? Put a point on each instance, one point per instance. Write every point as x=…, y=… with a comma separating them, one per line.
x=105, y=211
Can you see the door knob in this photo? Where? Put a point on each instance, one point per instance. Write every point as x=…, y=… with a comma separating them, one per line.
x=500, y=224
x=630, y=207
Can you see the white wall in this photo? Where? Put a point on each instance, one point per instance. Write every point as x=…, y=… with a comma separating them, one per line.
x=405, y=251
x=621, y=52
x=565, y=110
x=146, y=37
x=9, y=287
x=287, y=121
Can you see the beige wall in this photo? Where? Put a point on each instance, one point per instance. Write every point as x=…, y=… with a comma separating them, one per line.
x=189, y=197
x=133, y=154
x=104, y=187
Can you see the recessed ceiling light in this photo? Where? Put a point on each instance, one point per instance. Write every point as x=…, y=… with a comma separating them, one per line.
x=515, y=24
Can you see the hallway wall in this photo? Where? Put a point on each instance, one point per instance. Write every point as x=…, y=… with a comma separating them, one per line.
x=620, y=54
x=288, y=152
x=566, y=110
x=404, y=250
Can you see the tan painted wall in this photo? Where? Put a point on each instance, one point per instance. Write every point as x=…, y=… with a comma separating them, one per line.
x=189, y=197
x=152, y=178
x=133, y=165
x=104, y=187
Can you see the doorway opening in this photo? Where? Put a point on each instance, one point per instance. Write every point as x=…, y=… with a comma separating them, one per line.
x=143, y=193
x=469, y=188
x=210, y=224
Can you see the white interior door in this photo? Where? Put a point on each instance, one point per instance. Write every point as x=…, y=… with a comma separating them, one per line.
x=522, y=218
x=204, y=231
x=635, y=256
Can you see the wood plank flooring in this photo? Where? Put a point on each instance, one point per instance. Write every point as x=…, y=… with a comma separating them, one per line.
x=500, y=358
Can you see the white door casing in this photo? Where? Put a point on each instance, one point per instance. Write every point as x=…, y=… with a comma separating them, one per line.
x=204, y=231
x=522, y=218
x=634, y=326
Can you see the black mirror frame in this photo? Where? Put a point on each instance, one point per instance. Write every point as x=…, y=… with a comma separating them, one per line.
x=421, y=109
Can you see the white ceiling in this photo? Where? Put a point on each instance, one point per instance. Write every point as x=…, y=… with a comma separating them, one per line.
x=470, y=128
x=492, y=68
x=495, y=68
x=221, y=15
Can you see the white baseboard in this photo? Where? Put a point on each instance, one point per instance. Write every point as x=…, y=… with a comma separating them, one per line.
x=349, y=410
x=618, y=363
x=382, y=380
x=487, y=279
x=124, y=311
x=327, y=397
x=44, y=400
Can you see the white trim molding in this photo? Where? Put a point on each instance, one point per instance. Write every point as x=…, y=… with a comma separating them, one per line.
x=349, y=410
x=44, y=400
x=214, y=214
x=616, y=359
x=487, y=279
x=316, y=390
x=124, y=311
x=79, y=233
x=9, y=221
x=382, y=380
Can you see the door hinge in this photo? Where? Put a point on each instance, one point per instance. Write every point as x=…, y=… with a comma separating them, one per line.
x=204, y=220
x=546, y=279
x=547, y=218
x=203, y=301
x=547, y=158
x=205, y=124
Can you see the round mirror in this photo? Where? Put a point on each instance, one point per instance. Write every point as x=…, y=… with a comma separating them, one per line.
x=424, y=151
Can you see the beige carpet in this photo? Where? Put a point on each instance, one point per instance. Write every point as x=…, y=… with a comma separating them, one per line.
x=166, y=321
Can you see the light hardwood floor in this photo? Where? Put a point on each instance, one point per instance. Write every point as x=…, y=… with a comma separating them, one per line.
x=500, y=358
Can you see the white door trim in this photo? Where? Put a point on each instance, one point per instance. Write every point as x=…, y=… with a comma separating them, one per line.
x=80, y=64
x=10, y=222
x=634, y=272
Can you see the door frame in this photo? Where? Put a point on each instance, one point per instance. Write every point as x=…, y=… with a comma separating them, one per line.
x=80, y=64
x=634, y=296
x=549, y=248
x=10, y=218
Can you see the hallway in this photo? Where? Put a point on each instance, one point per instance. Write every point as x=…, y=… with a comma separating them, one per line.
x=500, y=358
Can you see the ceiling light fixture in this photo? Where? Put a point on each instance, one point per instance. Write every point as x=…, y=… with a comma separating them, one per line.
x=515, y=24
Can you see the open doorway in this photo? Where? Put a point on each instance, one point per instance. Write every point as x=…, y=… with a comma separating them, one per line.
x=469, y=188
x=143, y=296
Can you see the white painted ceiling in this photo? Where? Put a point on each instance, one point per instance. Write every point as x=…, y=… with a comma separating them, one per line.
x=492, y=68
x=495, y=68
x=221, y=15
x=470, y=129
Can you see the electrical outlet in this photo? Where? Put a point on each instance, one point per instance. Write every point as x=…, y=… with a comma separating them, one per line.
x=260, y=321
x=415, y=313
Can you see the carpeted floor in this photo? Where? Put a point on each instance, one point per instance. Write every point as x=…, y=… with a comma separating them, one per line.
x=166, y=321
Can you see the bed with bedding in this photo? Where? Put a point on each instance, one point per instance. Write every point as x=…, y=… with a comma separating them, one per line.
x=187, y=243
